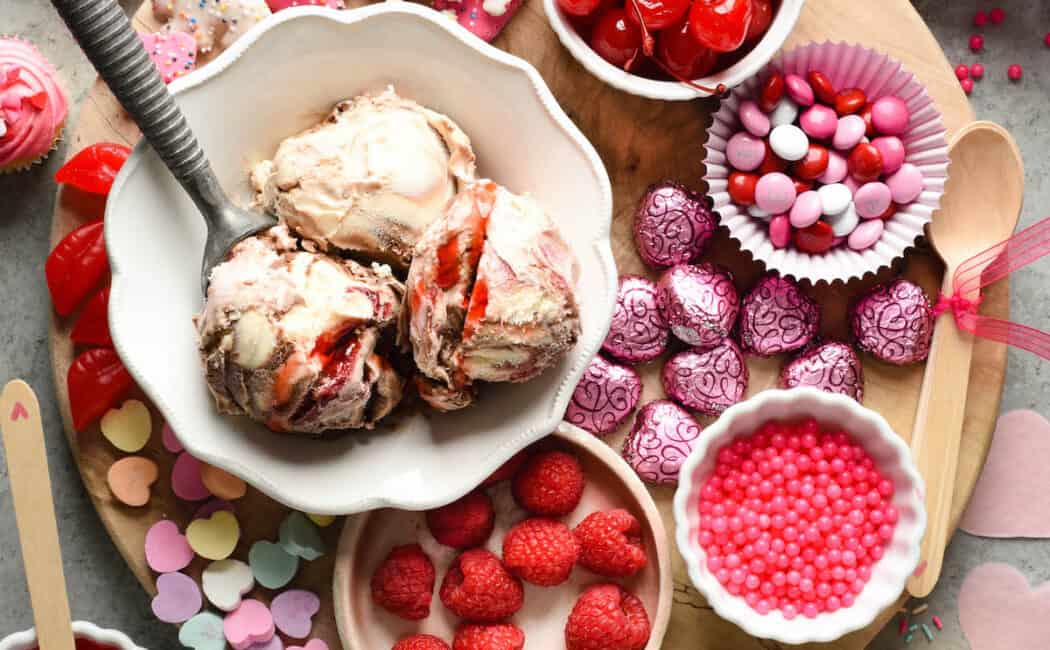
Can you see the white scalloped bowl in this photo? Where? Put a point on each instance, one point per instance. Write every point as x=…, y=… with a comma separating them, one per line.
x=26, y=640
x=781, y=27
x=893, y=458
x=278, y=79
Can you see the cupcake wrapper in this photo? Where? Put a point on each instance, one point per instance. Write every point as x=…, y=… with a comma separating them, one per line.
x=848, y=66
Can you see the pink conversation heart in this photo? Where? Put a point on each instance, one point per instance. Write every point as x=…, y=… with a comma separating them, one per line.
x=167, y=549
x=170, y=440
x=250, y=624
x=186, y=479
x=173, y=52
x=312, y=644
x=178, y=598
x=211, y=506
x=1010, y=499
x=998, y=610
x=293, y=612
x=273, y=644
x=484, y=18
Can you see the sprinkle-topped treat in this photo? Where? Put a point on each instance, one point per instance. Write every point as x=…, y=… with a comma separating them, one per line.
x=213, y=23
x=33, y=107
x=174, y=53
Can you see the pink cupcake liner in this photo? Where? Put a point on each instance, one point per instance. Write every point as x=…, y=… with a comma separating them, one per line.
x=848, y=66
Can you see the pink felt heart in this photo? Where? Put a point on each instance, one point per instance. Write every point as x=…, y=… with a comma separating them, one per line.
x=167, y=549
x=998, y=609
x=173, y=52
x=312, y=644
x=1010, y=499
x=249, y=624
x=178, y=598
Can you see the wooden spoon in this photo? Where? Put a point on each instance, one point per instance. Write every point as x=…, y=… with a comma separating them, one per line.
x=979, y=209
x=35, y=513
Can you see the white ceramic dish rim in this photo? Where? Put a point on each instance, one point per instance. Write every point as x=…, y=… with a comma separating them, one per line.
x=601, y=244
x=774, y=626
x=355, y=526
x=27, y=638
x=782, y=26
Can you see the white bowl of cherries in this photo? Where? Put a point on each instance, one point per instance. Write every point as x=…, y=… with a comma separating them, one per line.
x=679, y=49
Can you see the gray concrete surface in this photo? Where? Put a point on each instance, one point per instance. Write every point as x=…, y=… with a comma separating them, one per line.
x=102, y=588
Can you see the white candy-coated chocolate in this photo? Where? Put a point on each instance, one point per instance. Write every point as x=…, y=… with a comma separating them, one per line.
x=844, y=222
x=785, y=112
x=789, y=142
x=835, y=198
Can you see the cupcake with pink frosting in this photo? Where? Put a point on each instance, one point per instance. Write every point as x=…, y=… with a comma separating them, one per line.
x=33, y=107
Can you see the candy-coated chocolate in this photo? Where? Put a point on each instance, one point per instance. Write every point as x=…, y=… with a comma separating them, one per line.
x=890, y=211
x=892, y=150
x=822, y=87
x=776, y=317
x=672, y=225
x=851, y=184
x=742, y=188
x=802, y=186
x=906, y=184
x=869, y=126
x=799, y=90
x=866, y=234
x=890, y=115
x=708, y=381
x=837, y=169
x=780, y=231
x=894, y=322
x=771, y=163
x=789, y=142
x=662, y=437
x=819, y=122
x=843, y=223
x=754, y=119
x=872, y=199
x=807, y=210
x=758, y=213
x=638, y=332
x=785, y=112
x=832, y=367
x=834, y=198
x=775, y=193
x=817, y=239
x=745, y=152
x=865, y=163
x=849, y=131
x=850, y=101
x=699, y=302
x=814, y=164
x=772, y=91
x=606, y=395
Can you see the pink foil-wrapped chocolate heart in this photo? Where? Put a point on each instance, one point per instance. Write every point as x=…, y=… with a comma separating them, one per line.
x=894, y=322
x=831, y=367
x=661, y=439
x=709, y=381
x=699, y=302
x=638, y=332
x=777, y=317
x=672, y=225
x=605, y=396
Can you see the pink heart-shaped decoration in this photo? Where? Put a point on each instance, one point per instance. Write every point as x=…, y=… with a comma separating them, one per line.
x=167, y=549
x=173, y=52
x=186, y=479
x=293, y=612
x=606, y=395
x=178, y=598
x=1010, y=497
x=249, y=624
x=998, y=609
x=312, y=644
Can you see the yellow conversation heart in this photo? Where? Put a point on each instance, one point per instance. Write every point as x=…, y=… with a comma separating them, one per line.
x=128, y=428
x=214, y=538
x=324, y=521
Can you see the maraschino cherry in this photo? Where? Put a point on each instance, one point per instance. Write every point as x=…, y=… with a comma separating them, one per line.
x=721, y=25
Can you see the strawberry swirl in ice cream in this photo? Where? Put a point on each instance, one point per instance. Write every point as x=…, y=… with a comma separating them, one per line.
x=33, y=107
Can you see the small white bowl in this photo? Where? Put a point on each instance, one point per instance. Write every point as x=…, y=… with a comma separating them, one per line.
x=81, y=629
x=893, y=458
x=783, y=22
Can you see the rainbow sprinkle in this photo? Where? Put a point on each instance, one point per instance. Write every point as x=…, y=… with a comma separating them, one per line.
x=926, y=631
x=908, y=637
x=937, y=622
x=920, y=609
x=904, y=624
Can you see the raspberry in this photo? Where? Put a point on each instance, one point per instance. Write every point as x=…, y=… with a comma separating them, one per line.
x=549, y=484
x=606, y=617
x=611, y=544
x=464, y=523
x=421, y=642
x=478, y=588
x=501, y=636
x=540, y=551
x=507, y=470
x=404, y=583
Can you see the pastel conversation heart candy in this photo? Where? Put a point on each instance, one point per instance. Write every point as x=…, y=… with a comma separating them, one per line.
x=221, y=483
x=324, y=521
x=178, y=598
x=300, y=537
x=214, y=538
x=167, y=549
x=203, y=632
x=128, y=428
x=174, y=53
x=273, y=644
x=272, y=566
x=186, y=479
x=293, y=612
x=251, y=623
x=225, y=582
x=312, y=644
x=170, y=440
x=130, y=478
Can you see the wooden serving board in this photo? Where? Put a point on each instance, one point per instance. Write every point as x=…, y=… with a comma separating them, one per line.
x=641, y=142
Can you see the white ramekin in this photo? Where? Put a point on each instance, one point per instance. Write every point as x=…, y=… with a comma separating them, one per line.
x=783, y=22
x=81, y=629
x=891, y=455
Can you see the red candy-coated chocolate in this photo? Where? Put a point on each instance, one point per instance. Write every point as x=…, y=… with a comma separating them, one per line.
x=802, y=186
x=772, y=91
x=772, y=162
x=657, y=14
x=742, y=188
x=816, y=239
x=814, y=164
x=869, y=124
x=720, y=25
x=1015, y=72
x=890, y=211
x=976, y=43
x=616, y=39
x=682, y=54
x=865, y=163
x=850, y=101
x=822, y=87
x=980, y=19
x=793, y=518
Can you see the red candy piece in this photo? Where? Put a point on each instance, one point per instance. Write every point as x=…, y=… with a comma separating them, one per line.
x=822, y=87
x=802, y=186
x=962, y=71
x=967, y=85
x=869, y=124
x=657, y=14
x=92, y=327
x=771, y=162
x=96, y=381
x=1015, y=72
x=579, y=7
x=977, y=71
x=890, y=211
x=742, y=188
x=616, y=39
x=721, y=25
x=1046, y=39
x=76, y=266
x=761, y=19
x=682, y=54
x=814, y=164
x=976, y=43
x=94, y=168
x=980, y=19
x=772, y=91
x=997, y=15
x=816, y=239
x=865, y=163
x=850, y=101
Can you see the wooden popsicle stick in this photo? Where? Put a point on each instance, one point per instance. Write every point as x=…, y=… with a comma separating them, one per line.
x=26, y=456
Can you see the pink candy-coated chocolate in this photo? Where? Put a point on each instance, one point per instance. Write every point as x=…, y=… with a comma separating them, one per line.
x=777, y=317
x=639, y=331
x=775, y=193
x=890, y=115
x=745, y=152
x=851, y=183
x=661, y=439
x=672, y=225
x=709, y=381
x=837, y=169
x=894, y=322
x=606, y=395
x=872, y=200
x=906, y=184
x=893, y=153
x=780, y=231
x=819, y=122
x=831, y=367
x=866, y=234
x=799, y=90
x=698, y=302
x=754, y=119
x=849, y=132
x=807, y=210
